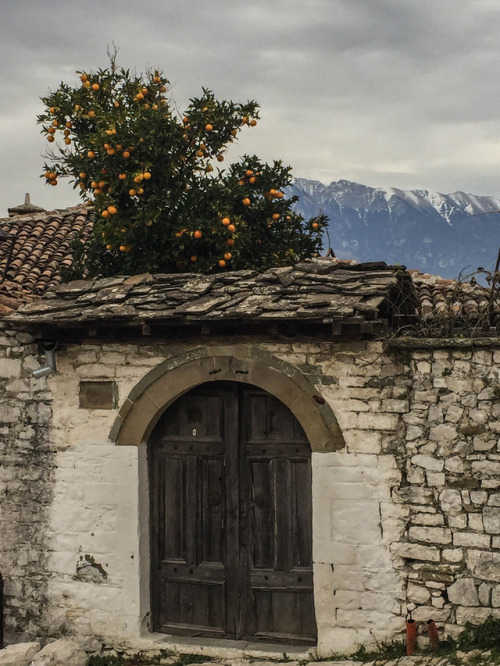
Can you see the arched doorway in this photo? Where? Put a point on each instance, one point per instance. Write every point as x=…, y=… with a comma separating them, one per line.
x=231, y=535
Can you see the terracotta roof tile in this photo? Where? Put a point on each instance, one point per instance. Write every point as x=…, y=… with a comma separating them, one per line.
x=41, y=246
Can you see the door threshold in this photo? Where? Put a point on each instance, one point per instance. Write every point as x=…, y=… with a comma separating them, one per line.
x=225, y=648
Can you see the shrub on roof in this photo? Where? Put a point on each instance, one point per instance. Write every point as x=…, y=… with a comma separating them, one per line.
x=163, y=201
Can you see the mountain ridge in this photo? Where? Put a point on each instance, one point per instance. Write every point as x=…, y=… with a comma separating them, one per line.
x=446, y=234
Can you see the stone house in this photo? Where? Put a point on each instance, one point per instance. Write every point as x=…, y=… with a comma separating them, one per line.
x=302, y=456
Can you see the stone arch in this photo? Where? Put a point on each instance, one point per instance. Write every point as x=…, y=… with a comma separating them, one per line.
x=240, y=363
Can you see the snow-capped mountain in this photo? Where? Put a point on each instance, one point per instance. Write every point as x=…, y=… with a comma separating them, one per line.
x=438, y=233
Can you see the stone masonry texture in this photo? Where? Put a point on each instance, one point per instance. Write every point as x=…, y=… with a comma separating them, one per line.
x=406, y=517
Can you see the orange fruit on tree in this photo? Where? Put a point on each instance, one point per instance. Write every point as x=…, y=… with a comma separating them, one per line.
x=276, y=216
x=230, y=241
x=132, y=192
x=245, y=201
x=126, y=154
x=112, y=210
x=123, y=248
x=245, y=120
x=279, y=195
x=67, y=140
x=139, y=96
x=227, y=255
x=226, y=221
x=51, y=130
x=138, y=178
x=91, y=114
x=222, y=263
x=315, y=225
x=220, y=158
x=140, y=191
x=109, y=247
x=83, y=78
x=199, y=153
x=193, y=258
x=231, y=227
x=53, y=182
x=110, y=151
x=102, y=183
x=253, y=123
x=147, y=175
x=252, y=180
x=122, y=176
x=249, y=172
x=208, y=127
x=234, y=132
x=198, y=234
x=95, y=86
x=91, y=154
x=55, y=123
x=50, y=138
x=105, y=213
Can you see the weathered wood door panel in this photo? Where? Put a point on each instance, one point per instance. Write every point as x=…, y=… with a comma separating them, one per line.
x=231, y=518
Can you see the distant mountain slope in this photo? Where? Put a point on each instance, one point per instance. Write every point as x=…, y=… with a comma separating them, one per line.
x=438, y=233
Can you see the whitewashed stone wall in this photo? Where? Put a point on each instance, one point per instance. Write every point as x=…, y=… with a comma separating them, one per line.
x=27, y=465
x=406, y=517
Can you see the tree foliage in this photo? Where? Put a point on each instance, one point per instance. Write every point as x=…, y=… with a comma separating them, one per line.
x=162, y=201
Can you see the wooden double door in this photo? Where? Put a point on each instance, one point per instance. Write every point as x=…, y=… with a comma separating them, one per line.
x=231, y=538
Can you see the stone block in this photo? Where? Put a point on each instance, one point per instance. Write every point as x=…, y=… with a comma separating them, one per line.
x=484, y=594
x=363, y=441
x=20, y=654
x=471, y=540
x=428, y=463
x=355, y=521
x=61, y=653
x=474, y=615
x=495, y=597
x=436, y=479
x=491, y=519
x=418, y=594
x=438, y=535
x=442, y=433
x=453, y=554
x=370, y=421
x=430, y=519
x=10, y=367
x=463, y=592
x=484, y=565
x=424, y=613
x=414, y=551
x=451, y=501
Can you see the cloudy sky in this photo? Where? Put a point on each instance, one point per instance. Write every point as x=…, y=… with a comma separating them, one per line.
x=402, y=93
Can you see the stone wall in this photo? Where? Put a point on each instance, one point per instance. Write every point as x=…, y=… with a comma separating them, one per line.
x=27, y=465
x=405, y=517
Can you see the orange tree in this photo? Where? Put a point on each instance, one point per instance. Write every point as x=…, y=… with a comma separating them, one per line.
x=154, y=177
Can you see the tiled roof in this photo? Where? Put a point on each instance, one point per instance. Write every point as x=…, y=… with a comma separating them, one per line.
x=41, y=246
x=320, y=291
x=447, y=305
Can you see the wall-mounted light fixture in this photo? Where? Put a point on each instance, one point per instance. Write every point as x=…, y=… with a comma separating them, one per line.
x=49, y=347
